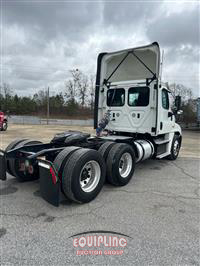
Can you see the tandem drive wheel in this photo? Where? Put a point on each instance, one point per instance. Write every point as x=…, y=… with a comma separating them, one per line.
x=120, y=164
x=83, y=175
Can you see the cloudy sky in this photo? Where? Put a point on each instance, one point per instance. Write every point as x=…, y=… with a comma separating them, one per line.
x=42, y=40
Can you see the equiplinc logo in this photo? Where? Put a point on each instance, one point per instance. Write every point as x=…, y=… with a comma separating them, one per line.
x=100, y=243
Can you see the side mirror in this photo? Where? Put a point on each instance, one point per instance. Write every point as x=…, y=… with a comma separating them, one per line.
x=178, y=102
x=179, y=112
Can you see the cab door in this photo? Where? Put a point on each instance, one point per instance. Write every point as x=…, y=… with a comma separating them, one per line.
x=167, y=118
x=116, y=104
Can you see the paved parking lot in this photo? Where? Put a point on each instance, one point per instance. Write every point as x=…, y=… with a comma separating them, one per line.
x=158, y=211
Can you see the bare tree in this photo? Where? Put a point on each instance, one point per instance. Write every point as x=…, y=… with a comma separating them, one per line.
x=70, y=91
x=92, y=91
x=183, y=91
x=83, y=89
x=6, y=90
x=71, y=85
x=77, y=87
x=76, y=75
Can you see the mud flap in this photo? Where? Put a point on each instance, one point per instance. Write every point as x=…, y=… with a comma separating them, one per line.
x=49, y=182
x=2, y=165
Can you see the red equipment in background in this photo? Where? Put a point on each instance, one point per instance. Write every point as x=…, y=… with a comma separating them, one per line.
x=3, y=122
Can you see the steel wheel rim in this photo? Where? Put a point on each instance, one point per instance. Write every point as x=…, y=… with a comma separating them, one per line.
x=176, y=147
x=90, y=176
x=4, y=126
x=125, y=164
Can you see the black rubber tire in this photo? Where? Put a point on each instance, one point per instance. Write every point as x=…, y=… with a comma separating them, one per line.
x=11, y=146
x=112, y=163
x=5, y=126
x=71, y=173
x=15, y=168
x=174, y=156
x=105, y=148
x=62, y=158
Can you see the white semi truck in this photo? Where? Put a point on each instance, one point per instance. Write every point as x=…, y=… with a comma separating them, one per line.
x=133, y=120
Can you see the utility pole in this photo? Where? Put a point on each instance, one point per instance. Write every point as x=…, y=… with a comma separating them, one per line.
x=47, y=105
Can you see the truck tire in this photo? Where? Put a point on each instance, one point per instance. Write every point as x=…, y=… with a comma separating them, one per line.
x=175, y=148
x=15, y=164
x=11, y=146
x=62, y=158
x=120, y=164
x=4, y=126
x=105, y=148
x=83, y=175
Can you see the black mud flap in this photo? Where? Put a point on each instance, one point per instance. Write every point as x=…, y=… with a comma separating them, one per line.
x=49, y=182
x=2, y=165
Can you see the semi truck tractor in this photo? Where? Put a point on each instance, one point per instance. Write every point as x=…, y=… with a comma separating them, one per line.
x=3, y=121
x=133, y=119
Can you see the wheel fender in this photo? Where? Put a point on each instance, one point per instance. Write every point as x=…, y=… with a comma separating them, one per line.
x=169, y=146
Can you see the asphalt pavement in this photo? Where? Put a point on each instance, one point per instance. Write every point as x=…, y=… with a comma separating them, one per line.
x=158, y=211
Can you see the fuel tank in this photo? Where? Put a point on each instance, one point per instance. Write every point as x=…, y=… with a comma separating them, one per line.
x=145, y=149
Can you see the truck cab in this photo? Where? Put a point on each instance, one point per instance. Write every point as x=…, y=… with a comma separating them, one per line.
x=129, y=88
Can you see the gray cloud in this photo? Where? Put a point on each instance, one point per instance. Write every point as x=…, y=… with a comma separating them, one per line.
x=128, y=14
x=51, y=19
x=43, y=40
x=175, y=29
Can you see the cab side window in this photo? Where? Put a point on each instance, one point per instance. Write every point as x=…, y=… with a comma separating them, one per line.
x=165, y=99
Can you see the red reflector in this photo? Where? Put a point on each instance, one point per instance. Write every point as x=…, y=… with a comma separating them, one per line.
x=53, y=175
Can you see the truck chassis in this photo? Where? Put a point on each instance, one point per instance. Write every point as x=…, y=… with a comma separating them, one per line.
x=77, y=165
